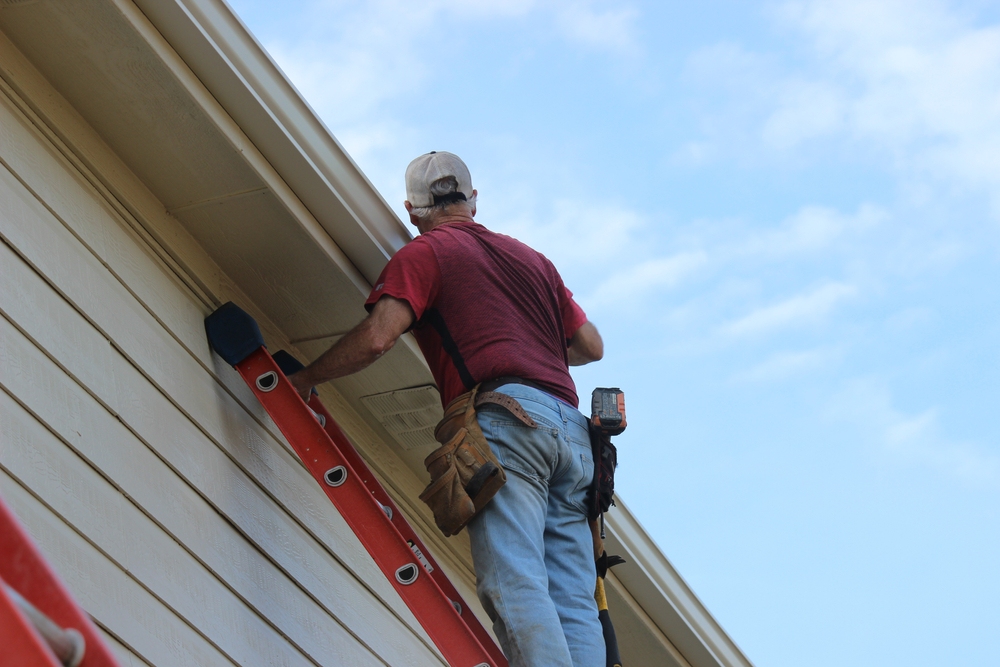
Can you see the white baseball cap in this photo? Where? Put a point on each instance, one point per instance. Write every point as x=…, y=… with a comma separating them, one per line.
x=432, y=167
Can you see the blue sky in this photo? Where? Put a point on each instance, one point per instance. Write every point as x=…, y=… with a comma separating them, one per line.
x=785, y=220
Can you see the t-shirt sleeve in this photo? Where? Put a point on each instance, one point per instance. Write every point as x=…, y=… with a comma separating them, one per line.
x=412, y=275
x=572, y=313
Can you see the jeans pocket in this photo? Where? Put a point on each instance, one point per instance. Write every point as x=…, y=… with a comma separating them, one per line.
x=523, y=450
x=583, y=472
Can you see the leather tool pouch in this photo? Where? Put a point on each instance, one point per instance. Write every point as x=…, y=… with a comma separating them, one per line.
x=465, y=474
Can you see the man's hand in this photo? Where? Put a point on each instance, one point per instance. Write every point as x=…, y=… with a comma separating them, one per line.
x=362, y=345
x=297, y=380
x=586, y=345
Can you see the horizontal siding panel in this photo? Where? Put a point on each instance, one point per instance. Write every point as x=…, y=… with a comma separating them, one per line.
x=125, y=657
x=95, y=508
x=162, y=392
x=117, y=601
x=86, y=283
x=52, y=395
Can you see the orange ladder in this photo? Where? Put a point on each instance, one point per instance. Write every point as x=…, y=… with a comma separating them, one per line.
x=353, y=489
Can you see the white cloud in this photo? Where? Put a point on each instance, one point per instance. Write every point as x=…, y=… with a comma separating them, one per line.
x=805, y=109
x=573, y=233
x=912, y=438
x=914, y=77
x=810, y=229
x=913, y=84
x=797, y=310
x=782, y=365
x=645, y=280
x=612, y=29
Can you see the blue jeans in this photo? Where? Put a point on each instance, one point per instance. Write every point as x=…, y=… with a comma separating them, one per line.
x=531, y=545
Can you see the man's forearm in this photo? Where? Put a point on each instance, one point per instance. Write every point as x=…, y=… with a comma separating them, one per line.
x=352, y=353
x=359, y=347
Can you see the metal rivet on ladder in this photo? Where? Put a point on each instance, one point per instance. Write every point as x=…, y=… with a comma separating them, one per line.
x=457, y=606
x=407, y=574
x=322, y=420
x=335, y=476
x=267, y=381
x=388, y=511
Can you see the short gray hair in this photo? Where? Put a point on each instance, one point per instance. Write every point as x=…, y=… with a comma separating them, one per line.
x=441, y=188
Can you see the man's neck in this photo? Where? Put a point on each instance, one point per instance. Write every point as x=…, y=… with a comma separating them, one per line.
x=448, y=218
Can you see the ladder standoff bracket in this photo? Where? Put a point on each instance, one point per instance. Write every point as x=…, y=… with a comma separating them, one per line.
x=233, y=333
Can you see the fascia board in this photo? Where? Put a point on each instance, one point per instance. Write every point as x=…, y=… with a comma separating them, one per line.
x=665, y=597
x=256, y=94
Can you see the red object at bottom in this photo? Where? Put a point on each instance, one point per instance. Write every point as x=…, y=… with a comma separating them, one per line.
x=21, y=644
x=23, y=568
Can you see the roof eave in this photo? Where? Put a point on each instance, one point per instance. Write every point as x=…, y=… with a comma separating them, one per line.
x=253, y=90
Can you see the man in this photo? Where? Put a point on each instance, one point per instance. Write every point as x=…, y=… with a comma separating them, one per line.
x=486, y=308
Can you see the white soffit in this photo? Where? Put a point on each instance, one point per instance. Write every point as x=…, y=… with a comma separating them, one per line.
x=249, y=85
x=409, y=415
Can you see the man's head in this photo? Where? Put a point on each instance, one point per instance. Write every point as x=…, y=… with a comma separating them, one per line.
x=438, y=189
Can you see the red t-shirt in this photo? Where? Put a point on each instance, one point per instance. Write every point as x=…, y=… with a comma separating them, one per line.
x=487, y=306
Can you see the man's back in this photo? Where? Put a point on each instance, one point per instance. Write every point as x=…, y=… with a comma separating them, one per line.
x=488, y=306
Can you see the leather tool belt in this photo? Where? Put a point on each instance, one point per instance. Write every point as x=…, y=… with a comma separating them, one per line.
x=465, y=474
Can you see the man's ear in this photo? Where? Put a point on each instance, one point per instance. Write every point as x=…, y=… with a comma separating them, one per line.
x=474, y=194
x=409, y=208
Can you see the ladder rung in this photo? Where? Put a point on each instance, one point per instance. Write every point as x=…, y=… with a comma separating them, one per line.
x=34, y=631
x=67, y=644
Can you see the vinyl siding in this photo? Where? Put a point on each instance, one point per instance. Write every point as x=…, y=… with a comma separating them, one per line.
x=141, y=463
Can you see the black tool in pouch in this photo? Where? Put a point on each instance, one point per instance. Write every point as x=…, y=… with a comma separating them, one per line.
x=607, y=419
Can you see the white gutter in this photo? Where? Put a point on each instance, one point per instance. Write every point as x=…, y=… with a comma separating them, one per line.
x=227, y=59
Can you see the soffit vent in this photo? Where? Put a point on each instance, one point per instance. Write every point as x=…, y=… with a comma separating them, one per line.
x=409, y=415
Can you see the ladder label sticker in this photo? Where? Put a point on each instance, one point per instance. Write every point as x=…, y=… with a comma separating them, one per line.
x=420, y=557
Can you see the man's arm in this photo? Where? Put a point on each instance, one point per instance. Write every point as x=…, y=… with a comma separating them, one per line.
x=586, y=345
x=362, y=345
